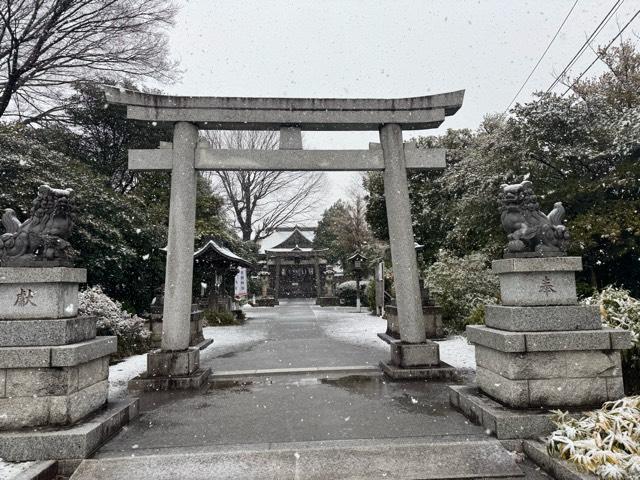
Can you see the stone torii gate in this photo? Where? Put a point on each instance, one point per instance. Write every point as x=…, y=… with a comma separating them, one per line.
x=177, y=366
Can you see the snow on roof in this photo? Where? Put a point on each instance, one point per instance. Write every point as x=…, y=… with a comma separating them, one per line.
x=282, y=233
x=223, y=251
x=290, y=249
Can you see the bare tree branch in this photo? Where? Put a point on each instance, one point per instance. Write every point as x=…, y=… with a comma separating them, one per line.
x=56, y=43
x=260, y=202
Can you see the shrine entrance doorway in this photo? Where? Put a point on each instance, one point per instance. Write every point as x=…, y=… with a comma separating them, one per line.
x=297, y=281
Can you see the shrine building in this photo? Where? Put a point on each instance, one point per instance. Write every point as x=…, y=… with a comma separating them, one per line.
x=296, y=267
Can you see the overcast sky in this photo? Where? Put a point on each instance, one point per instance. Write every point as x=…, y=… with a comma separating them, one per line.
x=382, y=49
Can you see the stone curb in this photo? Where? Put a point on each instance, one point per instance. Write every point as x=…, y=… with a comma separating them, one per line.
x=560, y=469
x=78, y=441
x=44, y=470
x=355, y=370
x=484, y=458
x=503, y=422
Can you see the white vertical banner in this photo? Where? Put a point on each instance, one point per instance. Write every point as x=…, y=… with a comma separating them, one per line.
x=240, y=287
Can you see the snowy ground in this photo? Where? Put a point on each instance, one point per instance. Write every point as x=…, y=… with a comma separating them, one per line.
x=12, y=470
x=349, y=327
x=359, y=329
x=355, y=328
x=457, y=352
x=121, y=373
x=226, y=339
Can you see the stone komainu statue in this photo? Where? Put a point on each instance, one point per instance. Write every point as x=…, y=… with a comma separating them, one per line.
x=531, y=232
x=42, y=240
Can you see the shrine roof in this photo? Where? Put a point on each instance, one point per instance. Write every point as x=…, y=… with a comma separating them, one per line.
x=212, y=246
x=282, y=234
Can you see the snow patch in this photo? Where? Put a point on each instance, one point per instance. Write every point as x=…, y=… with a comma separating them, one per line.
x=9, y=470
x=229, y=338
x=121, y=373
x=457, y=352
x=357, y=329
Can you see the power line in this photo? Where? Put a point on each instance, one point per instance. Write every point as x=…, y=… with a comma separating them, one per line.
x=605, y=49
x=541, y=57
x=587, y=42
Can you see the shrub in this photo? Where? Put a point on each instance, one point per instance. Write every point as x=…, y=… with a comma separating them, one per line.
x=604, y=442
x=222, y=318
x=620, y=310
x=346, y=291
x=133, y=337
x=459, y=285
x=477, y=314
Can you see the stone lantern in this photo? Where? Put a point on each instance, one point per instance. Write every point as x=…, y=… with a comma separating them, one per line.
x=329, y=299
x=264, y=275
x=265, y=300
x=328, y=280
x=358, y=262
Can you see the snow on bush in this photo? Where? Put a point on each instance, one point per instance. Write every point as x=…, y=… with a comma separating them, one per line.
x=606, y=442
x=347, y=291
x=461, y=285
x=133, y=336
x=620, y=310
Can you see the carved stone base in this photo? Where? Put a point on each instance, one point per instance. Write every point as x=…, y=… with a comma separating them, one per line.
x=432, y=319
x=196, y=335
x=53, y=385
x=266, y=302
x=33, y=293
x=328, y=301
x=442, y=371
x=69, y=443
x=500, y=420
x=168, y=370
x=145, y=383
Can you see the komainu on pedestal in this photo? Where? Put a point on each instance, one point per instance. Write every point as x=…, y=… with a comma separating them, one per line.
x=531, y=233
x=54, y=370
x=42, y=240
x=539, y=349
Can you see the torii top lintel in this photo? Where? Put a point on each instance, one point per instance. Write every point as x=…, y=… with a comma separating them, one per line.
x=245, y=113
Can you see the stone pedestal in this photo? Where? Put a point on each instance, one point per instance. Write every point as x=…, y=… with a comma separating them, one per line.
x=540, y=348
x=196, y=336
x=171, y=370
x=328, y=301
x=266, y=302
x=53, y=369
x=431, y=314
x=415, y=360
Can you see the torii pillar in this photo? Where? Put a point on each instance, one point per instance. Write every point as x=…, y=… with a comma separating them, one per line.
x=176, y=365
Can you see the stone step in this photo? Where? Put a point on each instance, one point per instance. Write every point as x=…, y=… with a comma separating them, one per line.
x=69, y=443
x=409, y=458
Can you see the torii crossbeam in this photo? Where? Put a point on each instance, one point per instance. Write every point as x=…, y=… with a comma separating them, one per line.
x=186, y=155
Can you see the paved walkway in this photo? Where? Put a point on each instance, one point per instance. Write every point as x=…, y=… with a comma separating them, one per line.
x=297, y=334
x=237, y=428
